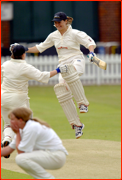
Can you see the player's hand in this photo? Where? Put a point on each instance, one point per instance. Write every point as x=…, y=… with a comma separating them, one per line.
x=14, y=127
x=12, y=46
x=62, y=69
x=90, y=56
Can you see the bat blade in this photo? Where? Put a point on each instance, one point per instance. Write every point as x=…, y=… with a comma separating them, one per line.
x=101, y=64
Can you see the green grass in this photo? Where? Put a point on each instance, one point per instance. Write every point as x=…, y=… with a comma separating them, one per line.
x=103, y=121
x=6, y=174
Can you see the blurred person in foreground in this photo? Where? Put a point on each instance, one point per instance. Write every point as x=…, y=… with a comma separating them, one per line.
x=67, y=42
x=37, y=144
x=15, y=74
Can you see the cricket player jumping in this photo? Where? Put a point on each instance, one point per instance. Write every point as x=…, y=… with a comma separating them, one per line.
x=67, y=42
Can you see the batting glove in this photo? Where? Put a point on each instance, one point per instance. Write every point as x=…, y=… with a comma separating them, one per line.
x=62, y=69
x=12, y=46
x=90, y=56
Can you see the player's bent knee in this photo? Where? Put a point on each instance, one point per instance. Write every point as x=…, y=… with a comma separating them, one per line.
x=73, y=80
x=20, y=159
x=62, y=92
x=64, y=97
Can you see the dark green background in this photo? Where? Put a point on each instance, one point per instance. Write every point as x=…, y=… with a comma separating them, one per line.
x=32, y=19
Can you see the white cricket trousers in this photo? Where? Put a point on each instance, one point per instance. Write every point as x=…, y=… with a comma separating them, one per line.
x=78, y=62
x=35, y=163
x=10, y=101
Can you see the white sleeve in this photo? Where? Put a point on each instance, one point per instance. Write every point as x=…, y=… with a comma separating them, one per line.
x=46, y=44
x=13, y=143
x=32, y=73
x=84, y=39
x=28, y=140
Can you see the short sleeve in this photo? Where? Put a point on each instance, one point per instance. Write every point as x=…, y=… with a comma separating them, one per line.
x=46, y=44
x=32, y=73
x=13, y=143
x=84, y=39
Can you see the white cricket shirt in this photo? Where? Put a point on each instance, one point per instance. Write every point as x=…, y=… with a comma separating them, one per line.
x=15, y=75
x=68, y=44
x=35, y=136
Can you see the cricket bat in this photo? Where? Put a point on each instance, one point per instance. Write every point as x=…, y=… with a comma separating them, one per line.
x=101, y=64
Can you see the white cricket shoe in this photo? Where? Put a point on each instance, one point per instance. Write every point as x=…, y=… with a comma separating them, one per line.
x=83, y=108
x=78, y=131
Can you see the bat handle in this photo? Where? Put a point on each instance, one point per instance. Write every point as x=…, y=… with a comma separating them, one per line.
x=90, y=59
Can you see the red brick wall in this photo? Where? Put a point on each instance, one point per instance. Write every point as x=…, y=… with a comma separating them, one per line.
x=5, y=34
x=109, y=21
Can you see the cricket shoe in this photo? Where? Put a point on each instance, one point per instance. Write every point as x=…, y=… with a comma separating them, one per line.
x=78, y=131
x=6, y=143
x=83, y=108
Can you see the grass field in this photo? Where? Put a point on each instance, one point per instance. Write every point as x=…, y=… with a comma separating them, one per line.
x=7, y=174
x=102, y=122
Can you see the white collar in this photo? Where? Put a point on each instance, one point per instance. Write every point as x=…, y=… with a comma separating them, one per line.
x=68, y=29
x=18, y=60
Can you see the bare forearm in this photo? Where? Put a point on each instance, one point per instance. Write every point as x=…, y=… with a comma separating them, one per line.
x=53, y=73
x=60, y=69
x=32, y=50
x=6, y=151
x=91, y=48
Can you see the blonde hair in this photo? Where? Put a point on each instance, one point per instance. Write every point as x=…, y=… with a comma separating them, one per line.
x=69, y=20
x=25, y=114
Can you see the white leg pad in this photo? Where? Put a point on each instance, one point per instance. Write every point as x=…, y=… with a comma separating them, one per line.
x=73, y=80
x=64, y=97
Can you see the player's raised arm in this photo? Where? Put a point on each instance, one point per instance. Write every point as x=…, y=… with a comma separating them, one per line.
x=27, y=50
x=32, y=50
x=61, y=69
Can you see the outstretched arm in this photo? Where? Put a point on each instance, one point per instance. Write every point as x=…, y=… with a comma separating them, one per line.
x=60, y=69
x=32, y=50
x=53, y=73
x=28, y=50
x=6, y=151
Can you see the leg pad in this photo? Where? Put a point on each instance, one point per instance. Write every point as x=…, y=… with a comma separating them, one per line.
x=64, y=97
x=73, y=80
